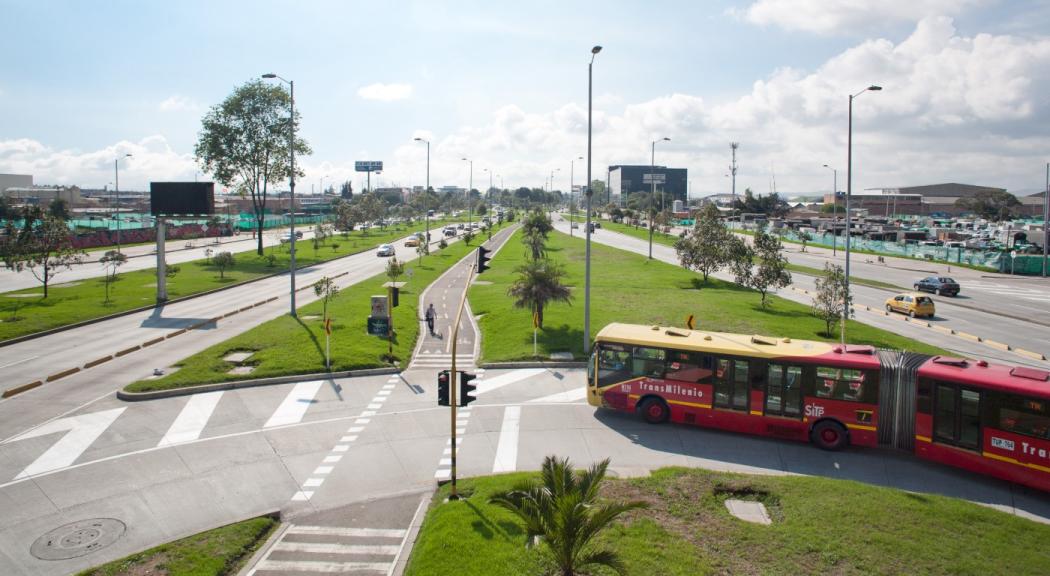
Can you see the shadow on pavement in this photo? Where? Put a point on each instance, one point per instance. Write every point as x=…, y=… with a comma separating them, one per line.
x=157, y=320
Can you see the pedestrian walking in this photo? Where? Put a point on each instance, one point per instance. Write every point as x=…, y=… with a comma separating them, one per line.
x=430, y=316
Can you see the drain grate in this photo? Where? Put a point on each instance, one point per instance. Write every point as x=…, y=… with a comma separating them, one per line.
x=78, y=539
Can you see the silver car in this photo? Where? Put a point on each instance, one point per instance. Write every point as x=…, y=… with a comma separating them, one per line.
x=385, y=250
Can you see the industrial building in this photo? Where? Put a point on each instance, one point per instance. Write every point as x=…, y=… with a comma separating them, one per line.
x=625, y=180
x=928, y=200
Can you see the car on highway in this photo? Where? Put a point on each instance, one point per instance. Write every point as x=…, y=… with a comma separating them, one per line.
x=385, y=250
x=911, y=303
x=414, y=240
x=449, y=231
x=287, y=236
x=941, y=285
x=460, y=226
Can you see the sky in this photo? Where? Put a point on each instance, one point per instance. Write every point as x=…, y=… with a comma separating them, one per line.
x=505, y=84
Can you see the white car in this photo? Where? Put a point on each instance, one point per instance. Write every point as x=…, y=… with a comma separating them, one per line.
x=385, y=250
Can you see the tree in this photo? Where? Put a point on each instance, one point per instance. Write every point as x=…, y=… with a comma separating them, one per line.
x=110, y=261
x=771, y=272
x=325, y=289
x=804, y=237
x=468, y=236
x=539, y=282
x=741, y=259
x=346, y=190
x=704, y=249
x=534, y=231
x=832, y=209
x=394, y=269
x=320, y=233
x=563, y=512
x=59, y=208
x=423, y=248
x=768, y=204
x=244, y=143
x=991, y=204
x=829, y=301
x=43, y=245
x=222, y=261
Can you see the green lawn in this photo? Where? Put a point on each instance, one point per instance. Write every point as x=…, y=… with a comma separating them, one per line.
x=627, y=287
x=26, y=311
x=820, y=526
x=287, y=345
x=218, y=552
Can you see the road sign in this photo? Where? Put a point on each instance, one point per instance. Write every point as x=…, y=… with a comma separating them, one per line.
x=328, y=326
x=648, y=178
x=379, y=307
x=378, y=326
x=368, y=166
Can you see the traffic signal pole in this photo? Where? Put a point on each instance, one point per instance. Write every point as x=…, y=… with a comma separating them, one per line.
x=453, y=376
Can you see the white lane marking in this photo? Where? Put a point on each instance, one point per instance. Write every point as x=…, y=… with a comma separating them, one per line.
x=20, y=361
x=507, y=379
x=375, y=406
x=350, y=532
x=382, y=394
x=574, y=395
x=81, y=431
x=313, y=482
x=369, y=413
x=348, y=438
x=362, y=421
x=295, y=404
x=340, y=448
x=329, y=548
x=189, y=424
x=443, y=474
x=322, y=470
x=322, y=567
x=302, y=495
x=332, y=459
x=355, y=429
x=507, y=447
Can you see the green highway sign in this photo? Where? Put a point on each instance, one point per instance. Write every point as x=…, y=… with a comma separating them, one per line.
x=378, y=326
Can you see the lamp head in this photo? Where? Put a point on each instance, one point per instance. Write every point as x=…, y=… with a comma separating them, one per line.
x=596, y=49
x=874, y=88
x=667, y=139
x=826, y=166
x=269, y=75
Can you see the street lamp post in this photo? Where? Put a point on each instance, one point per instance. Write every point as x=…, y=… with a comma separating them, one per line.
x=291, y=181
x=834, y=193
x=426, y=191
x=587, y=229
x=470, y=206
x=849, y=191
x=572, y=196
x=116, y=190
x=652, y=196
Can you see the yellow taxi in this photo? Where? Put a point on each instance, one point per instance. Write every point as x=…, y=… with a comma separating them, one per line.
x=413, y=240
x=911, y=303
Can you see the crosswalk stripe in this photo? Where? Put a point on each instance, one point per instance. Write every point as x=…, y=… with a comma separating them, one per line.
x=190, y=422
x=295, y=404
x=322, y=567
x=344, y=531
x=573, y=395
x=81, y=432
x=328, y=548
x=506, y=379
x=507, y=446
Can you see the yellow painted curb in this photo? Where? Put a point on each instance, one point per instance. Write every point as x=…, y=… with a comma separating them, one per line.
x=127, y=351
x=19, y=389
x=1030, y=354
x=998, y=345
x=62, y=374
x=96, y=362
x=969, y=336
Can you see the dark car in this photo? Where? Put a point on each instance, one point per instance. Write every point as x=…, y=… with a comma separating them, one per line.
x=938, y=284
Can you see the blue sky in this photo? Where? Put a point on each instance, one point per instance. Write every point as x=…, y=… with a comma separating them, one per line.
x=505, y=84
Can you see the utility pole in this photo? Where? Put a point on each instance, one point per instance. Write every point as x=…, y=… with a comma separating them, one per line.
x=1046, y=216
x=732, y=171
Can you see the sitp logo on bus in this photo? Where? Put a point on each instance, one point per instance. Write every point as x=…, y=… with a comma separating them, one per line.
x=814, y=411
x=1002, y=443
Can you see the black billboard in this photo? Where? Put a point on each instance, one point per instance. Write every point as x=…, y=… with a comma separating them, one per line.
x=182, y=198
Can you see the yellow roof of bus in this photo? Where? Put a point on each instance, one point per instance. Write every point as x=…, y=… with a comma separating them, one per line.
x=715, y=342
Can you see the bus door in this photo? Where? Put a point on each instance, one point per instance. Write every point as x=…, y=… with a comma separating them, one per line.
x=731, y=383
x=784, y=391
x=957, y=416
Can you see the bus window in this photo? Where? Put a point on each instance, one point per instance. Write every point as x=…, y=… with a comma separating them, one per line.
x=784, y=392
x=731, y=390
x=1025, y=416
x=614, y=364
x=970, y=421
x=740, y=382
x=648, y=362
x=840, y=383
x=944, y=419
x=957, y=416
x=688, y=367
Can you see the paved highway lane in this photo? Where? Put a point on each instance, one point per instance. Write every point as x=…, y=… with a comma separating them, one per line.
x=1035, y=337
x=314, y=446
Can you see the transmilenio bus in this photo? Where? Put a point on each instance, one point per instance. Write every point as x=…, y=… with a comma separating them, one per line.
x=989, y=419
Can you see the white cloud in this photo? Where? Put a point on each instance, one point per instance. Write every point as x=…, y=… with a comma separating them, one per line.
x=385, y=92
x=844, y=16
x=178, y=103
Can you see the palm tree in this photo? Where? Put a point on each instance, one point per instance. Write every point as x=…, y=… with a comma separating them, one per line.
x=538, y=283
x=563, y=512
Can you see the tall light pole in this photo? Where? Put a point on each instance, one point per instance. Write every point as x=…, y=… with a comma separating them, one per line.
x=488, y=193
x=116, y=190
x=849, y=192
x=652, y=197
x=572, y=196
x=732, y=172
x=426, y=191
x=470, y=207
x=587, y=229
x=834, y=194
x=291, y=180
x=1046, y=217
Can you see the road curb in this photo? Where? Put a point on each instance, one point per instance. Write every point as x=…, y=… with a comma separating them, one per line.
x=1030, y=354
x=19, y=389
x=540, y=364
x=237, y=384
x=262, y=551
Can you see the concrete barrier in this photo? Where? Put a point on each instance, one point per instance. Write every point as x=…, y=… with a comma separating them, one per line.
x=1030, y=354
x=19, y=389
x=942, y=329
x=246, y=308
x=998, y=345
x=176, y=333
x=62, y=374
x=152, y=342
x=969, y=336
x=127, y=351
x=228, y=314
x=98, y=361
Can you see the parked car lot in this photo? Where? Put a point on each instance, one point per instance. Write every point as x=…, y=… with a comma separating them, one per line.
x=941, y=285
x=385, y=250
x=911, y=303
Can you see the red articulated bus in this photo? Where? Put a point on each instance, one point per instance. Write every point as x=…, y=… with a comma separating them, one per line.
x=988, y=419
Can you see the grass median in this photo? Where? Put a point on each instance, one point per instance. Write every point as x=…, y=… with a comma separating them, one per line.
x=627, y=287
x=25, y=312
x=820, y=526
x=217, y=552
x=287, y=345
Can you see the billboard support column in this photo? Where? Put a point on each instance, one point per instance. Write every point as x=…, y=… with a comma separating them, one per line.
x=162, y=269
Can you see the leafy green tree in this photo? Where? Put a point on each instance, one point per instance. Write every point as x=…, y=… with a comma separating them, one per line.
x=59, y=208
x=829, y=302
x=771, y=272
x=394, y=269
x=768, y=204
x=741, y=259
x=222, y=261
x=423, y=248
x=539, y=282
x=325, y=289
x=704, y=249
x=244, y=143
x=110, y=261
x=534, y=231
x=804, y=237
x=43, y=245
x=563, y=512
x=832, y=209
x=320, y=233
x=991, y=204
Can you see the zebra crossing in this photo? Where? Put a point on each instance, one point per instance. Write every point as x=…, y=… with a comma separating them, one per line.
x=332, y=549
x=1034, y=294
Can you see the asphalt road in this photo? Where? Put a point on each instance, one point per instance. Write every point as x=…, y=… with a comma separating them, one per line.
x=988, y=325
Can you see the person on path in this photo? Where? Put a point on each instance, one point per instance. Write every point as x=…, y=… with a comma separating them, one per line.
x=430, y=316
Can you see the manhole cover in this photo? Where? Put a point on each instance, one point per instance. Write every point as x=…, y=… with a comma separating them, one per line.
x=77, y=539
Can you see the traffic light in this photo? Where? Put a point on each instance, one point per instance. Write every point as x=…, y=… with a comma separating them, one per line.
x=465, y=388
x=443, y=388
x=483, y=259
x=395, y=293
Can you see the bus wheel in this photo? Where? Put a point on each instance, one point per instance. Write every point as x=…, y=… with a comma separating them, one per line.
x=828, y=435
x=655, y=411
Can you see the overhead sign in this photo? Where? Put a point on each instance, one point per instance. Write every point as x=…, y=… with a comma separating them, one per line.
x=368, y=166
x=648, y=178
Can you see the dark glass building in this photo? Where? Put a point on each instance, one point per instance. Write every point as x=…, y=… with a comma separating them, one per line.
x=623, y=180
